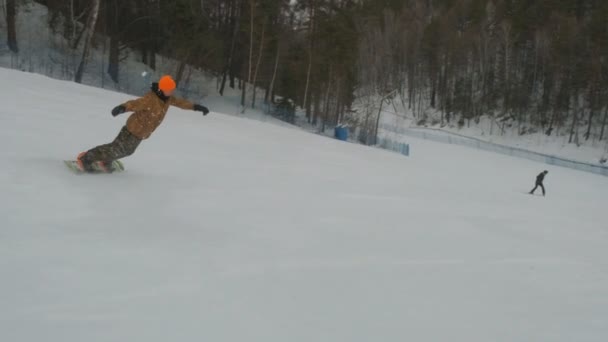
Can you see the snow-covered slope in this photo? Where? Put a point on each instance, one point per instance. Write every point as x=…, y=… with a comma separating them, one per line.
x=228, y=229
x=591, y=151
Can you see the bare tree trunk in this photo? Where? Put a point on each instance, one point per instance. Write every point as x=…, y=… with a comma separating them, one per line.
x=308, y=110
x=272, y=95
x=307, y=81
x=604, y=122
x=317, y=106
x=444, y=89
x=325, y=109
x=378, y=117
x=433, y=91
x=592, y=107
x=588, y=132
x=411, y=89
x=179, y=73
x=574, y=119
x=91, y=22
x=75, y=39
x=421, y=89
x=103, y=53
x=113, y=58
x=244, y=93
x=310, y=53
x=378, y=122
x=550, y=129
x=11, y=18
x=252, y=4
x=326, y=104
x=231, y=55
x=266, y=94
x=338, y=103
x=71, y=25
x=576, y=135
x=257, y=64
x=152, y=60
x=506, y=27
x=274, y=75
x=72, y=22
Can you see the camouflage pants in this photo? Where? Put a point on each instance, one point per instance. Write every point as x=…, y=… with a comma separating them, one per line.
x=124, y=145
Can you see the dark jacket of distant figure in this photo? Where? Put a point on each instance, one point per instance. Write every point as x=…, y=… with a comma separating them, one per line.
x=540, y=178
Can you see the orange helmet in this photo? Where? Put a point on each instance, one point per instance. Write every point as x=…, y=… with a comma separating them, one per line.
x=166, y=83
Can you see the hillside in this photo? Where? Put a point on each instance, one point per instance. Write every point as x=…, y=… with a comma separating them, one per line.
x=229, y=229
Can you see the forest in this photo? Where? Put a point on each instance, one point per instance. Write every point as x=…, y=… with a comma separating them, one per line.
x=539, y=65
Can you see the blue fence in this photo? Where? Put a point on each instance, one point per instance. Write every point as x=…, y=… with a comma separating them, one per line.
x=457, y=139
x=388, y=144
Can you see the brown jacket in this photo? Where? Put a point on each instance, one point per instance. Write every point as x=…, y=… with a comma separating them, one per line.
x=149, y=112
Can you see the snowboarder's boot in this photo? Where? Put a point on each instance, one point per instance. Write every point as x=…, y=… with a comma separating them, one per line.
x=107, y=167
x=85, y=163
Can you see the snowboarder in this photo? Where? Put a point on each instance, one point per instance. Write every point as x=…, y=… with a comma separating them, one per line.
x=148, y=113
x=539, y=182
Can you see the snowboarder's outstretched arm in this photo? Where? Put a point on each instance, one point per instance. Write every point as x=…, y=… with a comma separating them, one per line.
x=135, y=105
x=129, y=106
x=185, y=104
x=181, y=103
x=142, y=103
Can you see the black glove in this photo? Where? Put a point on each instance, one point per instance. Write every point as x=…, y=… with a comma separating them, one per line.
x=200, y=108
x=118, y=110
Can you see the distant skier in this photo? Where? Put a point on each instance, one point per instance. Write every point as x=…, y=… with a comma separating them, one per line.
x=149, y=112
x=539, y=182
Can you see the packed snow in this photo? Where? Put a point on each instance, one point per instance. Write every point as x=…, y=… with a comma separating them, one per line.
x=229, y=229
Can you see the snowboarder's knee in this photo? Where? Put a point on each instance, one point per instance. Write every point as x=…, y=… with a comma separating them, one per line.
x=130, y=150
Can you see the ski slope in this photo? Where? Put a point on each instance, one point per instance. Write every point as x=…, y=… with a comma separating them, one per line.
x=229, y=229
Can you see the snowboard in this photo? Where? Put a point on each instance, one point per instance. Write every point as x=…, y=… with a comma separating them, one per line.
x=73, y=165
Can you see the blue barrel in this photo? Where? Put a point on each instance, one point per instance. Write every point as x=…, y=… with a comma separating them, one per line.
x=341, y=133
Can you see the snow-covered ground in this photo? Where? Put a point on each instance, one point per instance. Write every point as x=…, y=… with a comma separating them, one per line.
x=229, y=229
x=588, y=151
